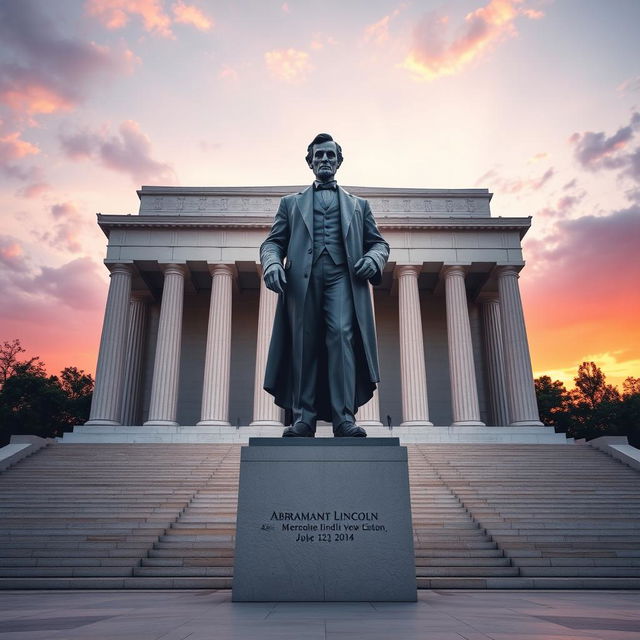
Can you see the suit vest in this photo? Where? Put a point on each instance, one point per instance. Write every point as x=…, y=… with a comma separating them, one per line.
x=327, y=227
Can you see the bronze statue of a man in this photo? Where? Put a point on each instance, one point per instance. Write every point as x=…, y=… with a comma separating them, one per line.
x=323, y=361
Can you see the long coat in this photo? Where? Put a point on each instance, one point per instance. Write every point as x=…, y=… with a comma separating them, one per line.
x=291, y=237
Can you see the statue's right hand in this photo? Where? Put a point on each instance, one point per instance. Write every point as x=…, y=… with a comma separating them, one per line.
x=275, y=279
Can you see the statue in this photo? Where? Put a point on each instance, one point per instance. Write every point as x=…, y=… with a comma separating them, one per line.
x=322, y=251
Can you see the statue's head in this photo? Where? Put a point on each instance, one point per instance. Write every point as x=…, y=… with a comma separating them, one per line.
x=324, y=157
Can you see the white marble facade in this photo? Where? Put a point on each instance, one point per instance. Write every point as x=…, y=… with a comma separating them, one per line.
x=187, y=321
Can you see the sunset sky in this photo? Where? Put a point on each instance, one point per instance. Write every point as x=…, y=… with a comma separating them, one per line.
x=539, y=101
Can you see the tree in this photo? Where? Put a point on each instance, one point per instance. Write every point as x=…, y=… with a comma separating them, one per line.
x=553, y=402
x=31, y=402
x=591, y=386
x=10, y=365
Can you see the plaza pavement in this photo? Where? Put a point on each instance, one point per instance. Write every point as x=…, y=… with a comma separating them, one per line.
x=210, y=615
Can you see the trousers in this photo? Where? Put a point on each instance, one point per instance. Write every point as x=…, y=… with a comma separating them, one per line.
x=328, y=324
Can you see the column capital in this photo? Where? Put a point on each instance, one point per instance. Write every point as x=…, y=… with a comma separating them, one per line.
x=412, y=270
x=120, y=267
x=222, y=269
x=451, y=270
x=174, y=268
x=506, y=270
x=488, y=297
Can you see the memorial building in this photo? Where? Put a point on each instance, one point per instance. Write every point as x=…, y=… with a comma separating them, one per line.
x=188, y=320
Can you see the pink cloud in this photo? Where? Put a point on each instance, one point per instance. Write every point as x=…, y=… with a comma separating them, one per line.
x=289, y=65
x=115, y=14
x=514, y=185
x=583, y=289
x=66, y=234
x=12, y=147
x=434, y=55
x=12, y=254
x=284, y=7
x=55, y=311
x=378, y=32
x=228, y=73
x=190, y=14
x=128, y=151
x=34, y=190
x=594, y=150
x=44, y=71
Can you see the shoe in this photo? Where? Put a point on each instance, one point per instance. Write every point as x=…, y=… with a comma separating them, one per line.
x=299, y=430
x=349, y=430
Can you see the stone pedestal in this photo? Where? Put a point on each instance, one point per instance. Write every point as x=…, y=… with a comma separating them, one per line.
x=324, y=521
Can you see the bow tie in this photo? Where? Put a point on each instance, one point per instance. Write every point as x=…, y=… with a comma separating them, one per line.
x=319, y=186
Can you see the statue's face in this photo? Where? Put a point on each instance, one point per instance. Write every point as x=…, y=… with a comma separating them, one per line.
x=324, y=162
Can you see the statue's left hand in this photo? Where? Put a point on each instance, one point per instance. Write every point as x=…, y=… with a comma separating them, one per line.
x=365, y=268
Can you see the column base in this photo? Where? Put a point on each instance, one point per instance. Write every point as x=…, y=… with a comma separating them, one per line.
x=416, y=423
x=265, y=423
x=213, y=423
x=161, y=423
x=468, y=423
x=369, y=423
x=97, y=422
x=526, y=423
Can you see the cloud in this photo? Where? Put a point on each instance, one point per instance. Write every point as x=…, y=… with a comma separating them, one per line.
x=434, y=54
x=45, y=72
x=514, y=185
x=228, y=73
x=115, y=14
x=587, y=267
x=12, y=147
x=289, y=65
x=563, y=206
x=67, y=231
x=320, y=41
x=596, y=151
x=12, y=254
x=284, y=7
x=33, y=190
x=581, y=288
x=629, y=86
x=378, y=32
x=128, y=151
x=189, y=14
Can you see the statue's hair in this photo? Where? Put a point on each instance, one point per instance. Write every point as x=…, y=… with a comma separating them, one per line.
x=319, y=139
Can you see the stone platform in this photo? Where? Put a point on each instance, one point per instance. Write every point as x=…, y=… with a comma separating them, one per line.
x=204, y=614
x=240, y=435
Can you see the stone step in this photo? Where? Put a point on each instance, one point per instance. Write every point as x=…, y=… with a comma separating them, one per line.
x=62, y=572
x=583, y=561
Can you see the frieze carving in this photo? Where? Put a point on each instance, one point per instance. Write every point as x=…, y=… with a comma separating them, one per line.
x=241, y=204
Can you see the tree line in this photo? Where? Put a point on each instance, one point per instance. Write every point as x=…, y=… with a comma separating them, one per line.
x=34, y=403
x=593, y=408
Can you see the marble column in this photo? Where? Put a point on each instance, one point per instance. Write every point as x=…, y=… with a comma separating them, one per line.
x=166, y=368
x=464, y=391
x=369, y=413
x=217, y=364
x=521, y=397
x=265, y=411
x=107, y=392
x=133, y=359
x=494, y=359
x=413, y=376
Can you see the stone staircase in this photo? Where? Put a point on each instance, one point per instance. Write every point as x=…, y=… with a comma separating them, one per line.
x=163, y=516
x=564, y=516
